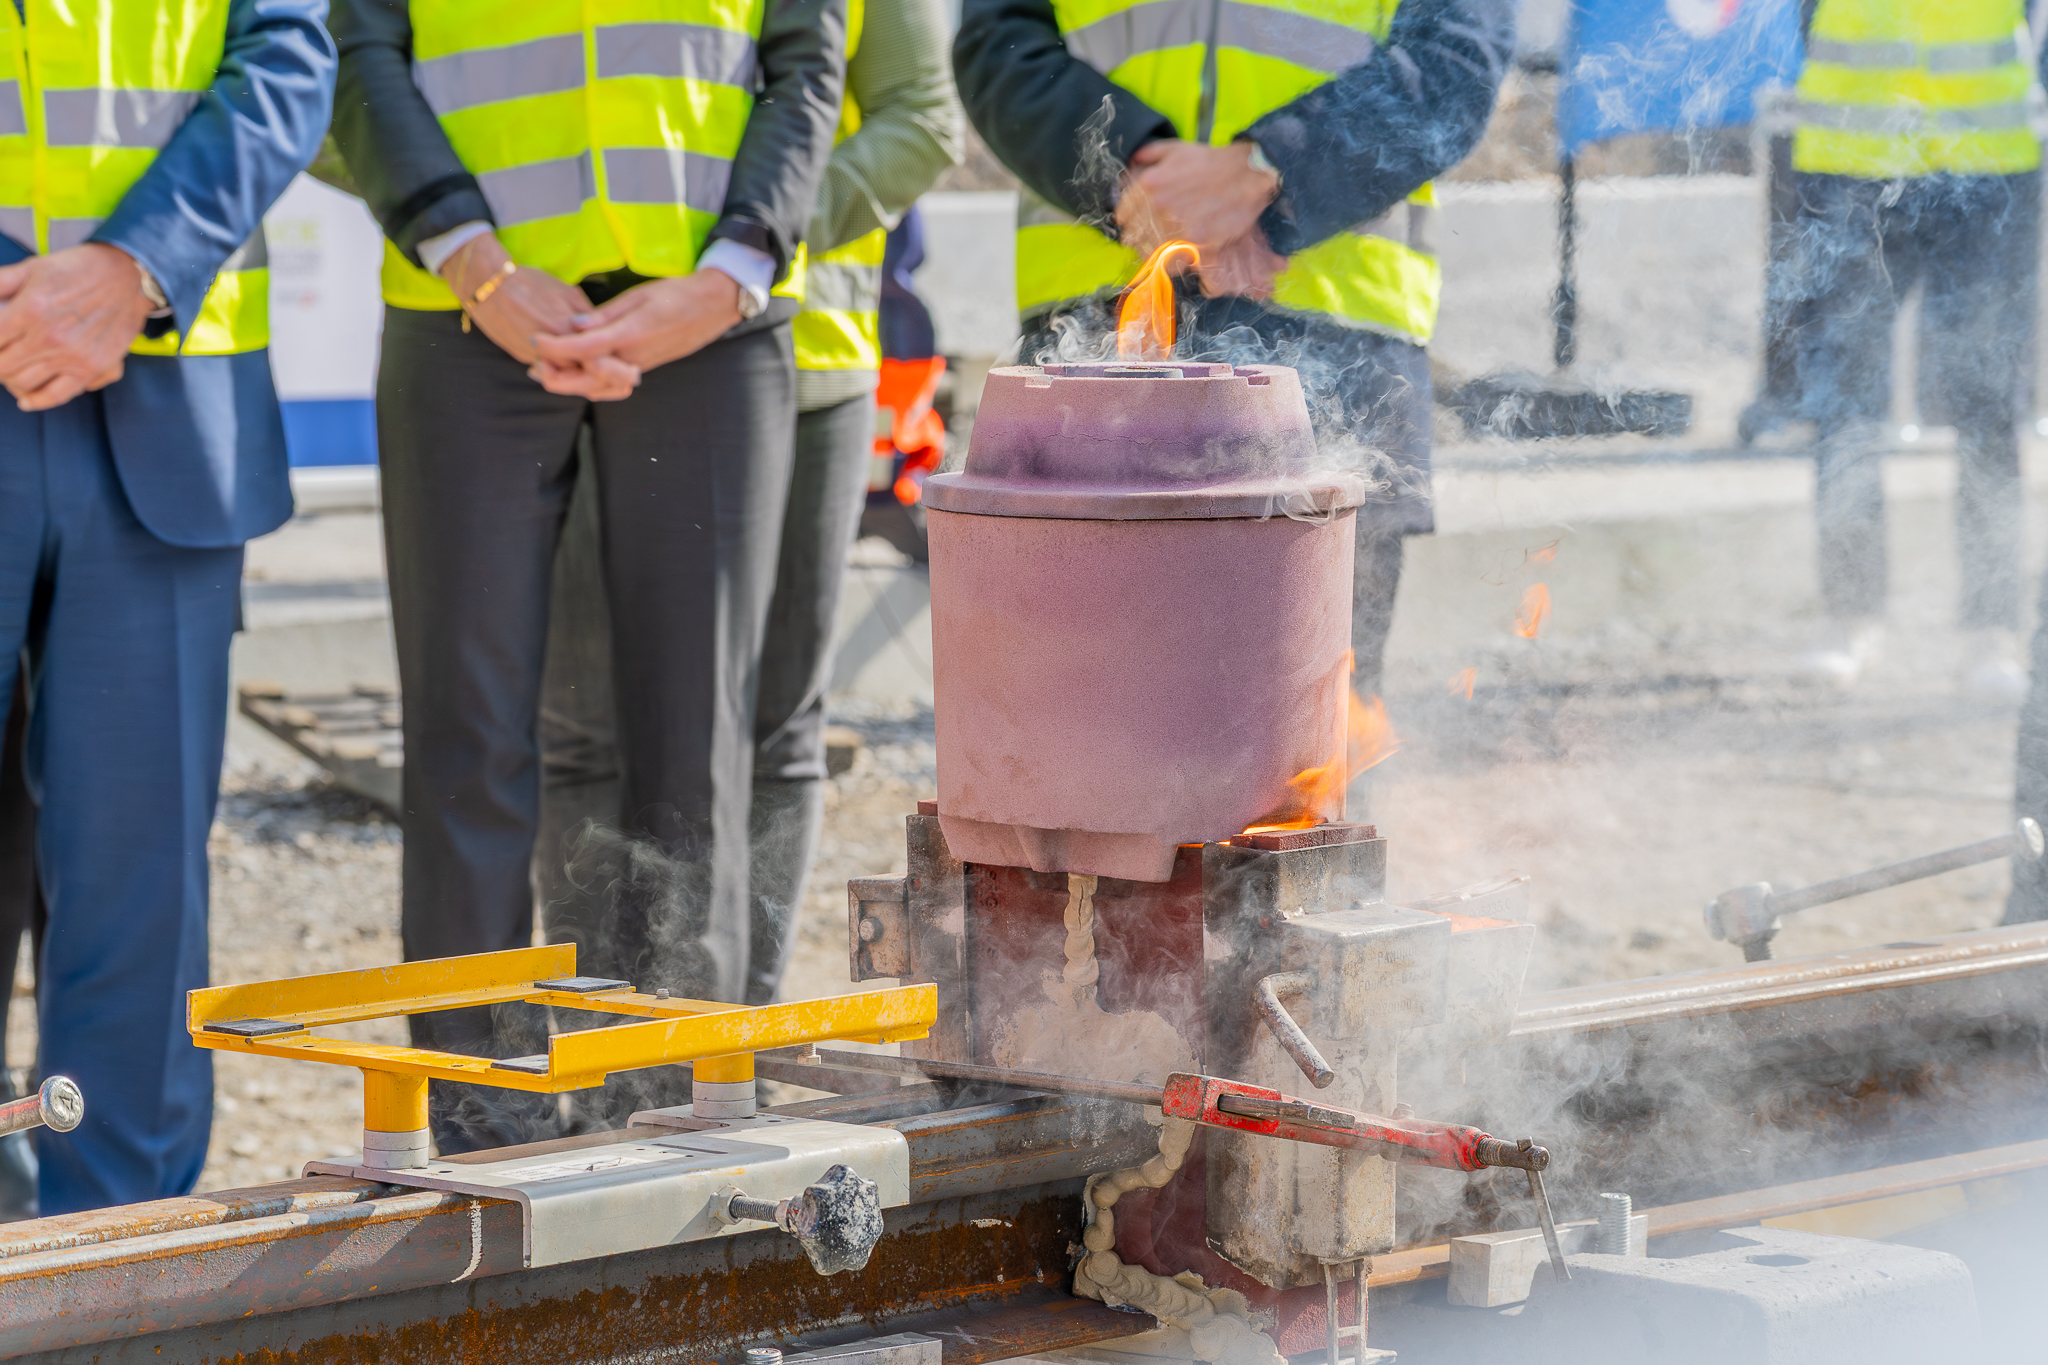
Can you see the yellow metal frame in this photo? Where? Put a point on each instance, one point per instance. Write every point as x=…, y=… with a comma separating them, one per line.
x=722, y=1038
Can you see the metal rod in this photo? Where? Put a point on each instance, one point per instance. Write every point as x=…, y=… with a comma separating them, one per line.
x=1288, y=1033
x=1330, y=1312
x=1358, y=1293
x=58, y=1105
x=1549, y=1225
x=1564, y=309
x=2023, y=842
x=1125, y=1091
x=1558, y=1268
x=747, y=1209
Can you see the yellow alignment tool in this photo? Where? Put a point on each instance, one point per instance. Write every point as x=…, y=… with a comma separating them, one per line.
x=276, y=1019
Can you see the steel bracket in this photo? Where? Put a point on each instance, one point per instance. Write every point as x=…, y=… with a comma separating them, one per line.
x=647, y=1192
x=878, y=928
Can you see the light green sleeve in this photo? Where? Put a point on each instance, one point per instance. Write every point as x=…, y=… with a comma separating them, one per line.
x=911, y=129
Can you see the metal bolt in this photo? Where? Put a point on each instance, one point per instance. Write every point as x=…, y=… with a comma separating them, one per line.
x=1611, y=1238
x=57, y=1104
x=764, y=1355
x=661, y=993
x=870, y=929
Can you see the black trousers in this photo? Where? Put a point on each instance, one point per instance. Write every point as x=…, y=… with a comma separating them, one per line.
x=827, y=487
x=690, y=474
x=1973, y=243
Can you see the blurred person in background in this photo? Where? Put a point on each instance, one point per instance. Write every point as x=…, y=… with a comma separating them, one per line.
x=900, y=128
x=141, y=449
x=1294, y=145
x=1915, y=162
x=585, y=212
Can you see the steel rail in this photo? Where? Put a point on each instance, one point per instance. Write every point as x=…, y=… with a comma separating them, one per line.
x=362, y=1272
x=1776, y=984
x=1079, y=1086
x=1432, y=1261
x=408, y=1261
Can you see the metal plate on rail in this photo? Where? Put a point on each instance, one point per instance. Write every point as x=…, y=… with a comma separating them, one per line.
x=650, y=1192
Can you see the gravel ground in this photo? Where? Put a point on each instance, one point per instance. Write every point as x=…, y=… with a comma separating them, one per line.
x=1630, y=784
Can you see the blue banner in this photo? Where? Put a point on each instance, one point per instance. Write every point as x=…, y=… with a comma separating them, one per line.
x=1641, y=66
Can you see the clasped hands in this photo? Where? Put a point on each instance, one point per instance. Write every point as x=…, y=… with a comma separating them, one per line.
x=568, y=346
x=66, y=322
x=1210, y=196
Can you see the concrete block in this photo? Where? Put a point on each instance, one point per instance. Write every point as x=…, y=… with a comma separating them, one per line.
x=1762, y=1296
x=1490, y=945
x=1376, y=966
x=1494, y=1269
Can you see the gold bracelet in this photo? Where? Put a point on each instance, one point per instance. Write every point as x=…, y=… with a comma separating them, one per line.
x=490, y=286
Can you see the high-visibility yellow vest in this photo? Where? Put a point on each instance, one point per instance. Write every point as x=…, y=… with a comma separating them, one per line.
x=1215, y=67
x=90, y=91
x=1916, y=87
x=840, y=326
x=599, y=145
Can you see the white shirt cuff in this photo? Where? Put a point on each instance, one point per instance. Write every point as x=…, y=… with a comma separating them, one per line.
x=435, y=251
x=751, y=269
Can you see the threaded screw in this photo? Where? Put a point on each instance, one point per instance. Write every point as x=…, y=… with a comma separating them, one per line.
x=1611, y=1238
x=764, y=1355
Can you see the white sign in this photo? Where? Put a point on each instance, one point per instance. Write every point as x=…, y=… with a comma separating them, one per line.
x=325, y=313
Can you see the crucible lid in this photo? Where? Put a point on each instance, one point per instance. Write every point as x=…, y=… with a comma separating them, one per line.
x=1143, y=441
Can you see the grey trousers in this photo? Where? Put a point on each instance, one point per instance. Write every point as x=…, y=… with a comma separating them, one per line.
x=1973, y=243
x=577, y=866
x=690, y=475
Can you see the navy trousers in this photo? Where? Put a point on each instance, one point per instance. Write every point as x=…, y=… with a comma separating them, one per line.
x=126, y=641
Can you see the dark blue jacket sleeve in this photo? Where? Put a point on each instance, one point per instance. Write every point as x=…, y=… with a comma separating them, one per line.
x=258, y=125
x=1352, y=148
x=1039, y=107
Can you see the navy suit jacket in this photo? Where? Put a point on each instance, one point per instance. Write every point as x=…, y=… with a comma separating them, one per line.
x=197, y=439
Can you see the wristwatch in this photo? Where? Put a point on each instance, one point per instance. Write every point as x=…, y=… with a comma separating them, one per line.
x=750, y=303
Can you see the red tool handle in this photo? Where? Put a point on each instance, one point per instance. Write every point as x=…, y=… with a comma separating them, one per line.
x=1449, y=1146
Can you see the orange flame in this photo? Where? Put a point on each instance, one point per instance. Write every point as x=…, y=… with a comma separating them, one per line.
x=1535, y=611
x=1460, y=684
x=1317, y=794
x=1145, y=324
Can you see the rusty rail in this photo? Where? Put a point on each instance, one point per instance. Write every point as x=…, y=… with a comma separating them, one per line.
x=317, y=1271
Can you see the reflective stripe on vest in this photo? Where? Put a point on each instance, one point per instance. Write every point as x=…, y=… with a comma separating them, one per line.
x=597, y=146
x=1215, y=67
x=90, y=91
x=545, y=66
x=1160, y=25
x=1944, y=58
x=1896, y=88
x=839, y=327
